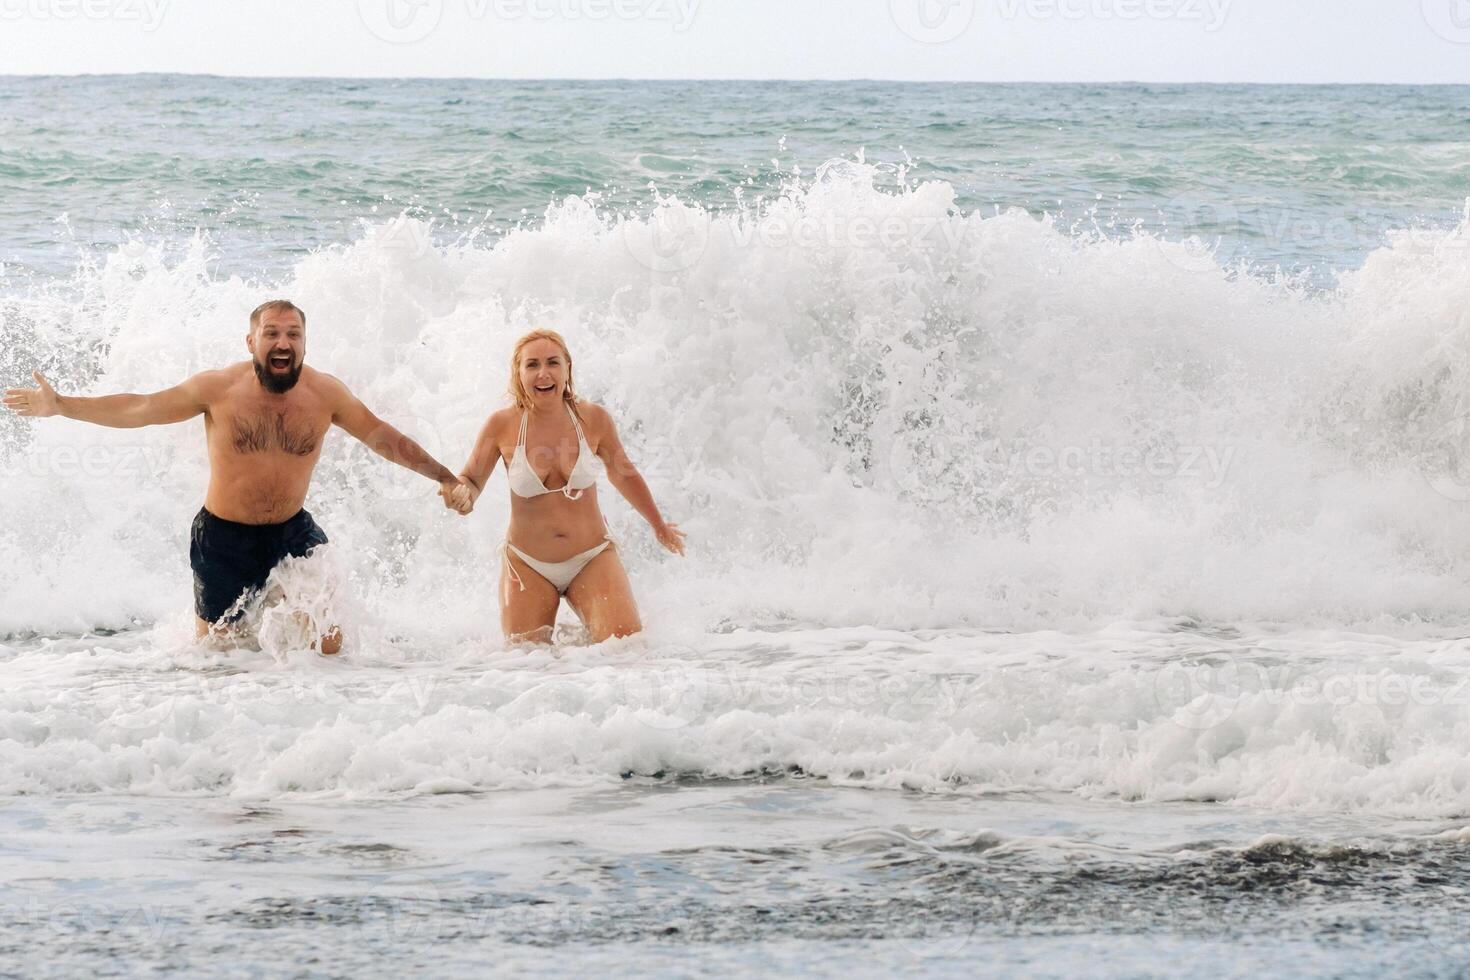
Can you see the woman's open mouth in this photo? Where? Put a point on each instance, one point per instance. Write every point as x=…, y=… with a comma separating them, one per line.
x=546, y=389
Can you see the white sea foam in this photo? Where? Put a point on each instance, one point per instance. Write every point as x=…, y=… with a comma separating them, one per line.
x=1295, y=721
x=874, y=417
x=864, y=407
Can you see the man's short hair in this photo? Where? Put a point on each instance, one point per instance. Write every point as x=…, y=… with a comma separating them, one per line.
x=276, y=306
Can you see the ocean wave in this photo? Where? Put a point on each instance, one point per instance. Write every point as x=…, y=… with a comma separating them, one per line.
x=1295, y=721
x=865, y=406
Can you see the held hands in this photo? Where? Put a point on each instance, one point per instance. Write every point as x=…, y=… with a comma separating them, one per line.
x=671, y=538
x=458, y=496
x=37, y=403
x=462, y=498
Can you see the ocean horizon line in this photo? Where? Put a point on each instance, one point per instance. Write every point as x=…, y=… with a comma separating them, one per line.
x=991, y=83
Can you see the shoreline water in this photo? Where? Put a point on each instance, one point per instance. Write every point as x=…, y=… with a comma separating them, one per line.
x=806, y=878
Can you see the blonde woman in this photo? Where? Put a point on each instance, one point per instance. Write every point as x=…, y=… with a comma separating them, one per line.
x=557, y=544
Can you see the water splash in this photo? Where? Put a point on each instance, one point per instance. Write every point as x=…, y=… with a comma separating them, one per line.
x=865, y=406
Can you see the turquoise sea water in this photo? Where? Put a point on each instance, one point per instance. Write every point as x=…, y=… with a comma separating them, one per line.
x=1296, y=176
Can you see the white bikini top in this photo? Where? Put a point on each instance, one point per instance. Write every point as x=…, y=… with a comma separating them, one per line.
x=525, y=483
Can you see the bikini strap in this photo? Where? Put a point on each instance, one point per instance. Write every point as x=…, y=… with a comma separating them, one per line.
x=505, y=556
x=577, y=424
x=521, y=439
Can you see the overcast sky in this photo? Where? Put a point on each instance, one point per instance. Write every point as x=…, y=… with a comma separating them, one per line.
x=982, y=40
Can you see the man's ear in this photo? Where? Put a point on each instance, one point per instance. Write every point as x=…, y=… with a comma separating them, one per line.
x=250, y=342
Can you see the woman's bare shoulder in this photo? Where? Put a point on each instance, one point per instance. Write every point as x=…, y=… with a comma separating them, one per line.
x=592, y=412
x=500, y=418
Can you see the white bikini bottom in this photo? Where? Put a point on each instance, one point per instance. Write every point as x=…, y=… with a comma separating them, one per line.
x=561, y=573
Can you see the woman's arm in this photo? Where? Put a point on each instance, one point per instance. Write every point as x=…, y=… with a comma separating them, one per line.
x=626, y=479
x=477, y=470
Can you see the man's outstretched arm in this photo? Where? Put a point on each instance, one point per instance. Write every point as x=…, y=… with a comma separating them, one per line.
x=177, y=404
x=359, y=422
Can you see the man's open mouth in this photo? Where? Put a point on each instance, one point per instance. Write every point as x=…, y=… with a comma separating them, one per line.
x=281, y=362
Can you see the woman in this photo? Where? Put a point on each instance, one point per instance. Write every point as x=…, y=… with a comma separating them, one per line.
x=557, y=544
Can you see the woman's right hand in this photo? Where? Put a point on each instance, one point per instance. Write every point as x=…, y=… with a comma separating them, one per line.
x=671, y=538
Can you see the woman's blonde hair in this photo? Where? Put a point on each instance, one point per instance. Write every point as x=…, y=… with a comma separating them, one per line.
x=518, y=393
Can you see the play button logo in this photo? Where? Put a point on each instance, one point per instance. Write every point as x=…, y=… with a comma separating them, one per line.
x=1450, y=19
x=933, y=21
x=401, y=21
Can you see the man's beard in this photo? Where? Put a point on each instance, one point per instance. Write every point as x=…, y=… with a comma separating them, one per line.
x=277, y=384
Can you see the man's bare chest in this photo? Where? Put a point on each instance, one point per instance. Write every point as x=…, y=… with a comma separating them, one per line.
x=256, y=429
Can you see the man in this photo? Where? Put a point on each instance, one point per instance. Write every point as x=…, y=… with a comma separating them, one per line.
x=265, y=420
